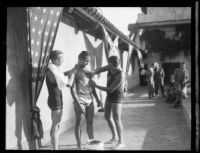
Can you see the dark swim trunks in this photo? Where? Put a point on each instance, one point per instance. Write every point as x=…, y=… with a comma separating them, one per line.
x=55, y=101
x=115, y=96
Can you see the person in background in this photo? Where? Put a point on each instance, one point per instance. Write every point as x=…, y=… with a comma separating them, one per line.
x=56, y=81
x=173, y=92
x=159, y=79
x=170, y=90
x=150, y=80
x=113, y=104
x=143, y=73
x=82, y=93
x=181, y=77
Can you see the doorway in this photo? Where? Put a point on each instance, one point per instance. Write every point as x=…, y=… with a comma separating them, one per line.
x=169, y=69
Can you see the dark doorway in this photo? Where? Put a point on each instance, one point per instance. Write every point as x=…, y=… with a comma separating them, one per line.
x=169, y=70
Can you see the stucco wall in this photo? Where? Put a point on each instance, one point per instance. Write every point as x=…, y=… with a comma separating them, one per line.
x=165, y=13
x=133, y=75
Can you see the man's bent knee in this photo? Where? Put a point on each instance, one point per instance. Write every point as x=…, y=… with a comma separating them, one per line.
x=116, y=118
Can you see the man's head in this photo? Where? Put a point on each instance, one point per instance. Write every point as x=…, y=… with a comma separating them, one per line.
x=56, y=57
x=156, y=65
x=182, y=65
x=113, y=62
x=83, y=59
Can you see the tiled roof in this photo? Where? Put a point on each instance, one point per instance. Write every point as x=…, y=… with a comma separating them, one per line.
x=94, y=12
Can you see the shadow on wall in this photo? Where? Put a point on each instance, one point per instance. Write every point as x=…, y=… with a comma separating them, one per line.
x=17, y=88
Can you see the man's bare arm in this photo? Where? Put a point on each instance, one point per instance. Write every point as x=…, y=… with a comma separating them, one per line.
x=74, y=95
x=96, y=96
x=101, y=69
x=118, y=81
x=73, y=92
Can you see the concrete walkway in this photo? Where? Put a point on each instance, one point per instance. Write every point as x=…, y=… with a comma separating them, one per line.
x=148, y=125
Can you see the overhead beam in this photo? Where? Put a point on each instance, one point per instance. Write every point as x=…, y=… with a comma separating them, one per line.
x=145, y=25
x=112, y=30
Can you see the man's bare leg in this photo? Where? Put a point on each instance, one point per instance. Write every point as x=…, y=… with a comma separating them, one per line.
x=108, y=113
x=78, y=126
x=89, y=120
x=54, y=132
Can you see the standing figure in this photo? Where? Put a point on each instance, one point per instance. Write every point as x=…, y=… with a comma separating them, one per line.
x=159, y=79
x=181, y=77
x=56, y=81
x=82, y=93
x=150, y=80
x=113, y=105
x=142, y=75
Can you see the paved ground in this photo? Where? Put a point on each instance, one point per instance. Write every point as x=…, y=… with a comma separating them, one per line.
x=148, y=125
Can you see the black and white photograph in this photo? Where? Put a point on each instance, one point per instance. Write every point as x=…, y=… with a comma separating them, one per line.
x=102, y=78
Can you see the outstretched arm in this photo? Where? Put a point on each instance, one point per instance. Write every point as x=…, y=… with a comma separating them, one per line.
x=96, y=97
x=71, y=74
x=101, y=69
x=118, y=81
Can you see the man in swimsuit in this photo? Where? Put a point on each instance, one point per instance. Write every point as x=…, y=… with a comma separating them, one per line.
x=82, y=93
x=56, y=81
x=113, y=104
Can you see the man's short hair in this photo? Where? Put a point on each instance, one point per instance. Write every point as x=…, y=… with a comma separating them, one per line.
x=114, y=60
x=54, y=53
x=83, y=55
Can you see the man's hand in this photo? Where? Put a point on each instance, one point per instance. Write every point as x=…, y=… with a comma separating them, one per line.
x=96, y=70
x=99, y=103
x=93, y=84
x=89, y=74
x=79, y=107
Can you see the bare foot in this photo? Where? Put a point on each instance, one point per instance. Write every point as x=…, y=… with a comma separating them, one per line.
x=111, y=141
x=119, y=146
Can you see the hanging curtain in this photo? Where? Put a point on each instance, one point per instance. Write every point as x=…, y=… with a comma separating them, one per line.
x=96, y=53
x=99, y=56
x=138, y=43
x=111, y=47
x=42, y=24
x=105, y=40
x=130, y=50
x=115, y=50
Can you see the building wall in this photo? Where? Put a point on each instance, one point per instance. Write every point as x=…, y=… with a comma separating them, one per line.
x=155, y=14
x=165, y=13
x=17, y=97
x=133, y=75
